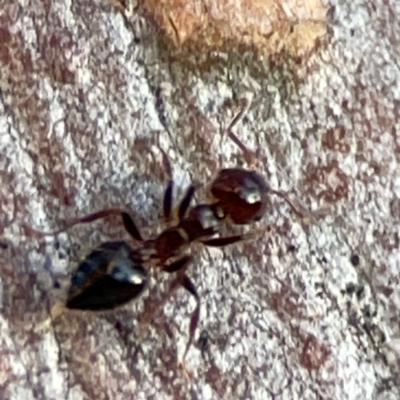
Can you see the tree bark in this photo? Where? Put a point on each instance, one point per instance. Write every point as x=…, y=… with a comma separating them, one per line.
x=88, y=97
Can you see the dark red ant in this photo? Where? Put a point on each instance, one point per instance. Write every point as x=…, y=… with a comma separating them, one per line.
x=113, y=274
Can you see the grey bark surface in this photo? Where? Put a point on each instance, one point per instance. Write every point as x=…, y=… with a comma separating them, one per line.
x=293, y=316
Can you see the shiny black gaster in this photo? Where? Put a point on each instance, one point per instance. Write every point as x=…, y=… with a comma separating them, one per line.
x=107, y=278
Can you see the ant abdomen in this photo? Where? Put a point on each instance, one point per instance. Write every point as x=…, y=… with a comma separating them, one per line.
x=242, y=194
x=108, y=277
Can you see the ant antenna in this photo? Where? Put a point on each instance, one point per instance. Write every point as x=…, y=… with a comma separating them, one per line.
x=249, y=155
x=250, y=158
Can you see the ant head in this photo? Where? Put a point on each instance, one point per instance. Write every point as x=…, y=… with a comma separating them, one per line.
x=241, y=194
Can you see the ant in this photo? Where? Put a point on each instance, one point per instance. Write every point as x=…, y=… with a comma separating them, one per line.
x=114, y=273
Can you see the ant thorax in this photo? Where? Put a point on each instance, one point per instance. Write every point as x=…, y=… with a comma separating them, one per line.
x=207, y=215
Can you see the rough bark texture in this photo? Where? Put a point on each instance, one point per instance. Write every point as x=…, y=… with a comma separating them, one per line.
x=311, y=313
x=265, y=26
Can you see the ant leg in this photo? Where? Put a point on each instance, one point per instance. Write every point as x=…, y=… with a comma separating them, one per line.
x=185, y=281
x=224, y=241
x=131, y=227
x=301, y=211
x=168, y=194
x=184, y=204
x=127, y=220
x=55, y=312
x=168, y=198
x=194, y=319
x=179, y=266
x=249, y=155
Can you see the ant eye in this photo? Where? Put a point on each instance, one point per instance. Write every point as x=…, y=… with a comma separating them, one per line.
x=251, y=196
